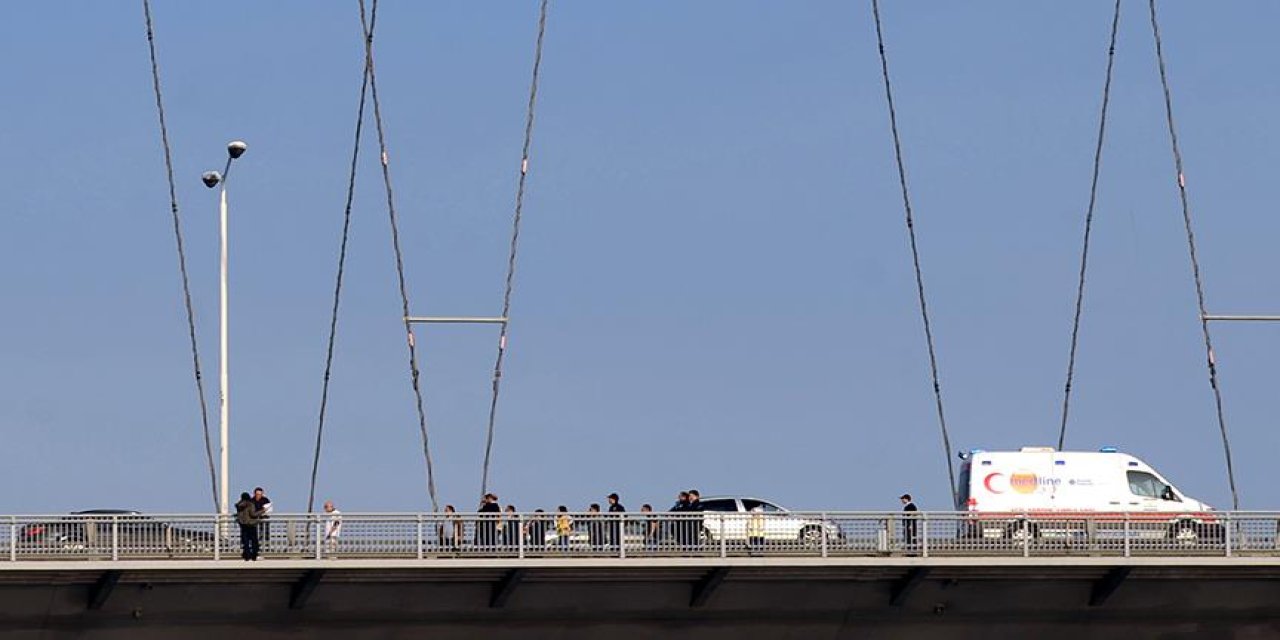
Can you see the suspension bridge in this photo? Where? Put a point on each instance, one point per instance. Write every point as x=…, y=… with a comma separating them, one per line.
x=131, y=575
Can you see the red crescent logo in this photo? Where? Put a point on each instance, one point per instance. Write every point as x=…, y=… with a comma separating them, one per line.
x=986, y=482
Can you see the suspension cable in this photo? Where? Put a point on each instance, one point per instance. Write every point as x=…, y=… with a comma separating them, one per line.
x=367, y=25
x=511, y=256
x=337, y=288
x=182, y=255
x=1088, y=227
x=915, y=254
x=1195, y=263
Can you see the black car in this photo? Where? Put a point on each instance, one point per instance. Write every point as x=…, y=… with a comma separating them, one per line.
x=134, y=533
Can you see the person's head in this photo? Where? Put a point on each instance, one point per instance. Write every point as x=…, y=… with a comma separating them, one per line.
x=646, y=507
x=490, y=497
x=511, y=508
x=539, y=510
x=683, y=496
x=448, y=508
x=594, y=508
x=613, y=498
x=562, y=509
x=328, y=506
x=694, y=496
x=244, y=496
x=257, y=492
x=905, y=498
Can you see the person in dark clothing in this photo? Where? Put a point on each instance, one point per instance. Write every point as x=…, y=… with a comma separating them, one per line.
x=248, y=516
x=487, y=525
x=263, y=503
x=694, y=525
x=909, y=520
x=595, y=527
x=537, y=528
x=617, y=522
x=511, y=528
x=676, y=528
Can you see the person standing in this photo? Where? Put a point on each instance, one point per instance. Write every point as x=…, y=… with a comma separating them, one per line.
x=511, y=528
x=652, y=528
x=676, y=528
x=247, y=516
x=909, y=524
x=263, y=503
x=617, y=523
x=693, y=528
x=450, y=532
x=332, y=527
x=487, y=527
x=595, y=526
x=537, y=530
x=564, y=526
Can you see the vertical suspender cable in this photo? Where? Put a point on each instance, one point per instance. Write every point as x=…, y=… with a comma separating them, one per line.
x=915, y=254
x=366, y=24
x=511, y=256
x=1195, y=263
x=337, y=289
x=182, y=256
x=1088, y=227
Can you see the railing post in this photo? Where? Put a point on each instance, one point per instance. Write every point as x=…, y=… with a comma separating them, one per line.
x=217, y=537
x=1026, y=537
x=1127, y=535
x=823, y=519
x=1228, y=527
x=422, y=537
x=724, y=540
x=314, y=522
x=115, y=538
x=622, y=536
x=924, y=534
x=520, y=531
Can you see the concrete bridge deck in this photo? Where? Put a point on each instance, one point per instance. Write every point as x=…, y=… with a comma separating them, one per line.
x=699, y=597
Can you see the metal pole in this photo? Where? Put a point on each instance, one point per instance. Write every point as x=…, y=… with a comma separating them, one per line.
x=1213, y=318
x=224, y=497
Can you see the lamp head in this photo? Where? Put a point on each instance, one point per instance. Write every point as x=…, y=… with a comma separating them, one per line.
x=211, y=178
x=236, y=148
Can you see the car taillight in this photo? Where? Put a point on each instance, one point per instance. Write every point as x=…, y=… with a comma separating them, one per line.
x=32, y=531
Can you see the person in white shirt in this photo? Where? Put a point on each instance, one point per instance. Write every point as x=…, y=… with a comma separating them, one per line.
x=332, y=526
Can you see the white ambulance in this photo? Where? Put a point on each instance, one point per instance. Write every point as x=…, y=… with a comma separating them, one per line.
x=1039, y=492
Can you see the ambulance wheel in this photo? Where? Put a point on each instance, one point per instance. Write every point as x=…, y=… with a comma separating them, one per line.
x=811, y=537
x=1021, y=529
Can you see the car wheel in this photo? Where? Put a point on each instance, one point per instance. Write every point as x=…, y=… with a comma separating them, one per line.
x=1186, y=534
x=811, y=536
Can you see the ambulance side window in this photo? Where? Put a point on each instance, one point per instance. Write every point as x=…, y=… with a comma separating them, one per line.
x=1144, y=484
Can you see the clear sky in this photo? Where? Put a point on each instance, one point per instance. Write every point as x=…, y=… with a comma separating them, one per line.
x=715, y=286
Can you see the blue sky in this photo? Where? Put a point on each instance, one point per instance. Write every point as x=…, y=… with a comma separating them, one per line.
x=715, y=285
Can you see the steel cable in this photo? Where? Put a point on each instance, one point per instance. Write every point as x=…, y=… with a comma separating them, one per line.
x=182, y=255
x=915, y=253
x=1195, y=263
x=366, y=25
x=337, y=289
x=1088, y=227
x=511, y=256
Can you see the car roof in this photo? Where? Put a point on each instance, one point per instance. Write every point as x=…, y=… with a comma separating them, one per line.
x=107, y=512
x=740, y=498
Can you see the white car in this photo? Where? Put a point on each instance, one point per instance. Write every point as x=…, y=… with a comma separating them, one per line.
x=739, y=519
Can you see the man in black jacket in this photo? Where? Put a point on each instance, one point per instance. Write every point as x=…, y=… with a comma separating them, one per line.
x=616, y=523
x=487, y=526
x=908, y=520
x=693, y=526
x=676, y=528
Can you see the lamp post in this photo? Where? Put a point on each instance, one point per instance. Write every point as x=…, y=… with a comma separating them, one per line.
x=211, y=179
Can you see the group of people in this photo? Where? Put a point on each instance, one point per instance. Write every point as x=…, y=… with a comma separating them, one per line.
x=253, y=515
x=498, y=526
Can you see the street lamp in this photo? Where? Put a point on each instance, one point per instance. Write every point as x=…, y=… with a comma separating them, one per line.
x=211, y=179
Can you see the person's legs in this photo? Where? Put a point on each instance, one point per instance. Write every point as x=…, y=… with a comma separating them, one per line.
x=253, y=542
x=244, y=541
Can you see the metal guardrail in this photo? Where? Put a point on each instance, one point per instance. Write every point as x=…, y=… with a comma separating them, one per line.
x=438, y=536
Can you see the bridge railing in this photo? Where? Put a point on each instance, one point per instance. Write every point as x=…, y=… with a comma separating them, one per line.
x=438, y=536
